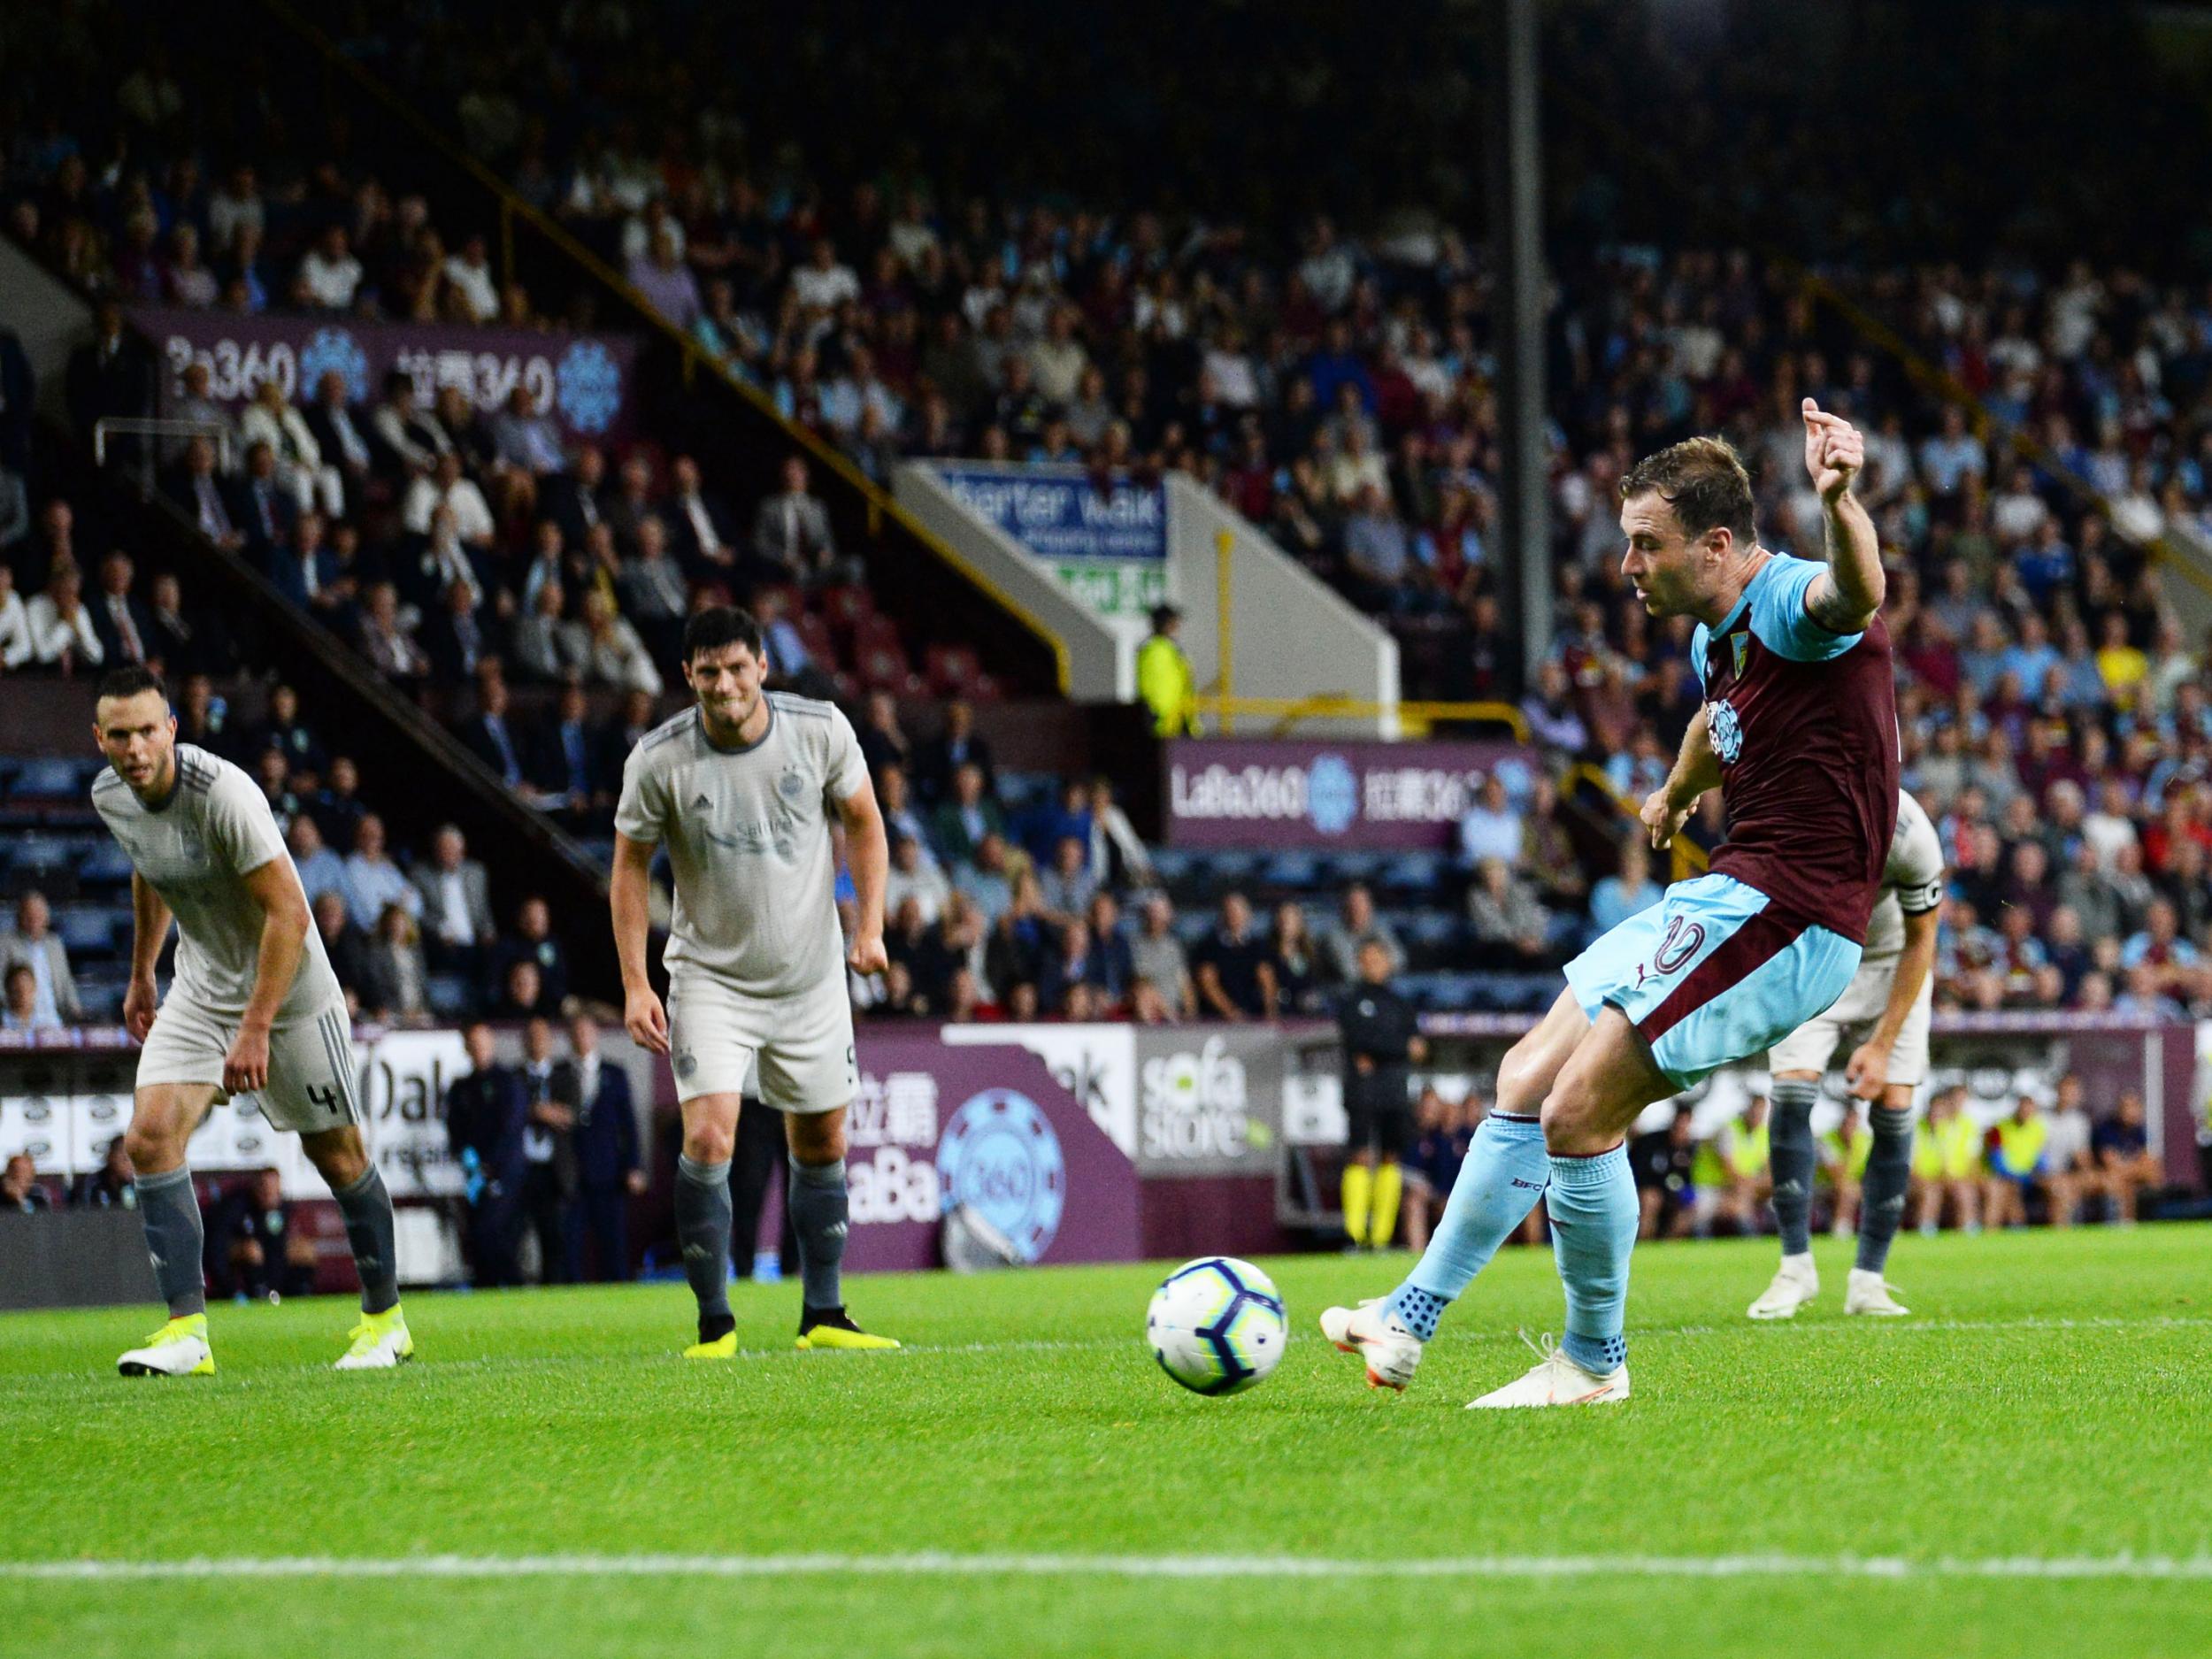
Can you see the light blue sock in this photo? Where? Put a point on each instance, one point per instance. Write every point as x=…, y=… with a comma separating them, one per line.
x=1592, y=1209
x=1499, y=1184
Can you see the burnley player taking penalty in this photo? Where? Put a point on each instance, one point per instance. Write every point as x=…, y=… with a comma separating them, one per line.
x=741, y=789
x=1799, y=731
x=253, y=1007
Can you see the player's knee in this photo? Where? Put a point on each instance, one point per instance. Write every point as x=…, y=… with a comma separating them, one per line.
x=1569, y=1119
x=153, y=1144
x=817, y=1139
x=709, y=1143
x=339, y=1158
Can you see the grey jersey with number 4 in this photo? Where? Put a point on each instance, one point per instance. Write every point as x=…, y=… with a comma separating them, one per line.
x=747, y=835
x=196, y=850
x=1912, y=879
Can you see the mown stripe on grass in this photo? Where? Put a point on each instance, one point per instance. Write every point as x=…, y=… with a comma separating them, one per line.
x=930, y=1564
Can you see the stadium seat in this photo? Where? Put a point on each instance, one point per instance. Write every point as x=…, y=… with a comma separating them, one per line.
x=1412, y=874
x=50, y=779
x=106, y=865
x=1299, y=872
x=447, y=993
x=86, y=932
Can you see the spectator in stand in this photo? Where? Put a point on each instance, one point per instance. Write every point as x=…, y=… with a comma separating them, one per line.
x=394, y=985
x=329, y=275
x=1511, y=929
x=32, y=943
x=321, y=870
x=264, y=512
x=457, y=906
x=664, y=281
x=22, y=1192
x=961, y=824
x=342, y=439
x=655, y=595
x=387, y=636
x=1618, y=897
x=1068, y=884
x=545, y=645
x=337, y=805
x=913, y=876
x=345, y=944
x=883, y=742
x=988, y=878
x=288, y=733
x=533, y=943
x=491, y=737
x=411, y=437
x=112, y=374
x=120, y=620
x=900, y=814
x=1236, y=980
x=1014, y=954
x=1492, y=826
x=1116, y=851
x=2126, y=1167
x=1354, y=923
x=791, y=533
x=297, y=456
x=19, y=1008
x=113, y=1186
x=1113, y=965
x=1553, y=722
x=373, y=880
x=564, y=765
x=63, y=637
x=958, y=744
x=699, y=528
x=1291, y=952
x=617, y=656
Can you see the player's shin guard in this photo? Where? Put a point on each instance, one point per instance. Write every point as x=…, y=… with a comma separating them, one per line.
x=818, y=1212
x=1498, y=1184
x=1594, y=1213
x=702, y=1228
x=1359, y=1197
x=1790, y=1147
x=368, y=1208
x=1882, y=1195
x=1382, y=1219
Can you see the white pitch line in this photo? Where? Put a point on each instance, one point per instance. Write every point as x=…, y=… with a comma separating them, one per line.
x=2192, y=1569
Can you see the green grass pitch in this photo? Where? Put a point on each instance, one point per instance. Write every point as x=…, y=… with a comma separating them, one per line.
x=2051, y=1404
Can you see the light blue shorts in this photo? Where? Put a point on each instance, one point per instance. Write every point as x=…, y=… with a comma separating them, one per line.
x=1709, y=978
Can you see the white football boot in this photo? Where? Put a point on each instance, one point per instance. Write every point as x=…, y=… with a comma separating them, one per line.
x=1392, y=1351
x=178, y=1350
x=378, y=1342
x=1868, y=1293
x=1796, y=1282
x=1556, y=1380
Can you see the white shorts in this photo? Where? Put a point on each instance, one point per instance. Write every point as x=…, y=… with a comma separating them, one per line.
x=313, y=1077
x=1830, y=1039
x=803, y=1045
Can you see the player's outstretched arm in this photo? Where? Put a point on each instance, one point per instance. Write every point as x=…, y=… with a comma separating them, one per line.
x=868, y=856
x=1696, y=770
x=629, y=893
x=1845, y=597
x=149, y=932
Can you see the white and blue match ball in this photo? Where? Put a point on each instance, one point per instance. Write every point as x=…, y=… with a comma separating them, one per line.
x=1217, y=1326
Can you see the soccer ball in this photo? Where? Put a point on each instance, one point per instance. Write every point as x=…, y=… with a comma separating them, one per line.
x=1217, y=1326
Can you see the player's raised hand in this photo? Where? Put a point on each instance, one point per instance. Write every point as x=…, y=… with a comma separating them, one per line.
x=1662, y=819
x=139, y=1002
x=646, y=1020
x=867, y=954
x=1834, y=451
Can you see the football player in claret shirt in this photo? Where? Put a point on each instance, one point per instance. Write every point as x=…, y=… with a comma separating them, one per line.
x=1799, y=732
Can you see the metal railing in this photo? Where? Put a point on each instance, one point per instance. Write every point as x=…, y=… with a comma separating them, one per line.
x=150, y=426
x=1689, y=858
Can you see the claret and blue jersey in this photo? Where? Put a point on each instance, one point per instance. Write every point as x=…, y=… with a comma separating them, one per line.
x=1804, y=724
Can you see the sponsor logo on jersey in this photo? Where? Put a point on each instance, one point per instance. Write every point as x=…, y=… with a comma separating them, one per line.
x=1726, y=730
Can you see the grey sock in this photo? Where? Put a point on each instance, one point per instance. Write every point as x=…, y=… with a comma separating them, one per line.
x=702, y=1228
x=175, y=1238
x=367, y=1209
x=1882, y=1194
x=1790, y=1146
x=817, y=1216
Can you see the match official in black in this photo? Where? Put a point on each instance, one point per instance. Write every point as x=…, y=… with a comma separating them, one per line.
x=1382, y=1041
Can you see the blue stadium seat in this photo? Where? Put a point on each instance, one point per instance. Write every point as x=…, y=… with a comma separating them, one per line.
x=447, y=995
x=1357, y=866
x=1172, y=864
x=107, y=864
x=51, y=778
x=1413, y=873
x=86, y=932
x=1192, y=925
x=1300, y=872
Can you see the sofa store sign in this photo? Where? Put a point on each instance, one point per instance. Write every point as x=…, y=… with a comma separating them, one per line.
x=1226, y=792
x=586, y=383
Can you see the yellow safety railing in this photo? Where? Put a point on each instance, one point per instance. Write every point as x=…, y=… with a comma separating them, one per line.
x=1690, y=859
x=1414, y=719
x=879, y=503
